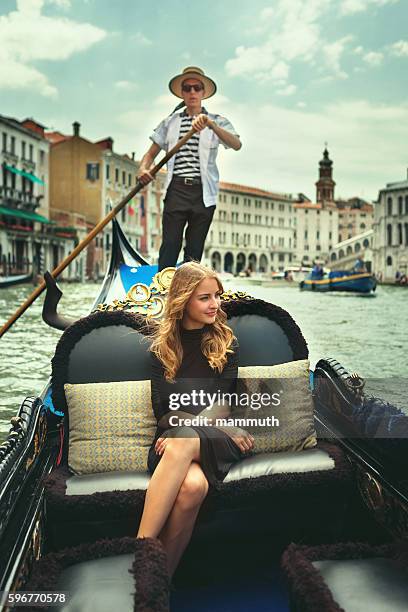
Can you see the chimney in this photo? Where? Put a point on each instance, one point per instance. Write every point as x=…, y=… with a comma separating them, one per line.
x=133, y=155
x=76, y=127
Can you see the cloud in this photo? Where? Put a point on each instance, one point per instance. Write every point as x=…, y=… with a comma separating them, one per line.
x=293, y=34
x=141, y=39
x=333, y=53
x=289, y=90
x=28, y=36
x=373, y=58
x=126, y=85
x=366, y=142
x=351, y=7
x=400, y=48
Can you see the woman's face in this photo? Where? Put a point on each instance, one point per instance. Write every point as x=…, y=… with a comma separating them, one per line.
x=201, y=309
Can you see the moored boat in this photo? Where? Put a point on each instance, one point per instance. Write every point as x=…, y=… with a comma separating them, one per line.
x=14, y=279
x=54, y=524
x=340, y=280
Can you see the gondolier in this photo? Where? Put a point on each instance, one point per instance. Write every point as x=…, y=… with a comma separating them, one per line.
x=192, y=174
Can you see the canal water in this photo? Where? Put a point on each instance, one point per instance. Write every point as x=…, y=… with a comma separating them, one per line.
x=367, y=335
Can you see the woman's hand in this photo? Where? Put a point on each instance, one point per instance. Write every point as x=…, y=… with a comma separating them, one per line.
x=160, y=445
x=242, y=438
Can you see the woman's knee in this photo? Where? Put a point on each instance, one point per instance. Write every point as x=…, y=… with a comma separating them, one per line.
x=193, y=489
x=184, y=443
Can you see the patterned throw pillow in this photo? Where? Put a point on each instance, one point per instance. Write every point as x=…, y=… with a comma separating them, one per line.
x=111, y=426
x=285, y=387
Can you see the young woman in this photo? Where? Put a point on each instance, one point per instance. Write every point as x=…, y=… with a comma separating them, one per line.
x=193, y=350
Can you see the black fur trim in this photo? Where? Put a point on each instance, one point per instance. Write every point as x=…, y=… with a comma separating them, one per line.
x=117, y=504
x=109, y=505
x=308, y=588
x=149, y=569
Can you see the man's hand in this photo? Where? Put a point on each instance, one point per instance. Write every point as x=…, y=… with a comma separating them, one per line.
x=200, y=122
x=144, y=176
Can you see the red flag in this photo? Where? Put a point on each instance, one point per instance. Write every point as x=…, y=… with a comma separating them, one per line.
x=131, y=210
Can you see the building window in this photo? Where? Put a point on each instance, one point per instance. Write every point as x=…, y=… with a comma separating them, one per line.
x=23, y=149
x=32, y=153
x=389, y=260
x=107, y=172
x=129, y=180
x=116, y=175
x=317, y=235
x=281, y=257
x=13, y=145
x=92, y=171
x=305, y=234
x=123, y=178
x=400, y=238
x=389, y=206
x=406, y=204
x=389, y=235
x=4, y=142
x=400, y=203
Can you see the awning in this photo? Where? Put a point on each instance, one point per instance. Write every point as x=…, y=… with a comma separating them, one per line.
x=24, y=214
x=28, y=175
x=13, y=170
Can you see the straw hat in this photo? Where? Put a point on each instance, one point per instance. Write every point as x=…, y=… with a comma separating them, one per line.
x=192, y=72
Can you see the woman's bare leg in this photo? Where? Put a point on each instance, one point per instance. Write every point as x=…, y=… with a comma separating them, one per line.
x=165, y=483
x=177, y=531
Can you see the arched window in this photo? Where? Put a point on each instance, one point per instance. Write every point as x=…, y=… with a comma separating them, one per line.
x=389, y=207
x=389, y=234
x=400, y=205
x=349, y=250
x=389, y=260
x=366, y=243
x=341, y=254
x=400, y=238
x=362, y=225
x=333, y=256
x=357, y=247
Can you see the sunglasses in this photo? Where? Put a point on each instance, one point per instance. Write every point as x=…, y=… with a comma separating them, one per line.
x=188, y=88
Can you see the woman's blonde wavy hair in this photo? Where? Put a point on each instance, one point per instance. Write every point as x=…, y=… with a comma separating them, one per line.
x=216, y=339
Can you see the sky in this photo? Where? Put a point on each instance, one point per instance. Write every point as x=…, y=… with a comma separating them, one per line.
x=291, y=76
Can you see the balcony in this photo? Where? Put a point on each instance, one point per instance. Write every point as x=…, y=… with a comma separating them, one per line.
x=10, y=157
x=28, y=164
x=10, y=196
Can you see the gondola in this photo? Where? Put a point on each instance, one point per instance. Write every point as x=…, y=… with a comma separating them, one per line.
x=14, y=279
x=340, y=280
x=286, y=530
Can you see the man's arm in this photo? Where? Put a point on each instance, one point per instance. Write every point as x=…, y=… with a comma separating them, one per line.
x=226, y=137
x=144, y=175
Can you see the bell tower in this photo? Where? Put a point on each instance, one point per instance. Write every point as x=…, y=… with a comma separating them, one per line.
x=325, y=184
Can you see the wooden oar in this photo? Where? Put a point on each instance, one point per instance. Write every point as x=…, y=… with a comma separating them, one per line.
x=98, y=228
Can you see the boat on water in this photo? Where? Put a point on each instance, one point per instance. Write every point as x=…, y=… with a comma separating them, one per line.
x=340, y=280
x=14, y=279
x=300, y=530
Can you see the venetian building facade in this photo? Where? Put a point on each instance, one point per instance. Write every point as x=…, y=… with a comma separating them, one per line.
x=355, y=217
x=29, y=242
x=252, y=228
x=87, y=180
x=391, y=230
x=316, y=231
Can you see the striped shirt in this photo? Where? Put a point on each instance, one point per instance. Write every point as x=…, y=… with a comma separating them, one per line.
x=187, y=160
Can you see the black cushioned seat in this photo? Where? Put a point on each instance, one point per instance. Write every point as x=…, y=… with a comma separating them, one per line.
x=125, y=574
x=319, y=479
x=353, y=577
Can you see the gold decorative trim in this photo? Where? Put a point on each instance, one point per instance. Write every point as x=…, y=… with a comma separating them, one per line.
x=150, y=300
